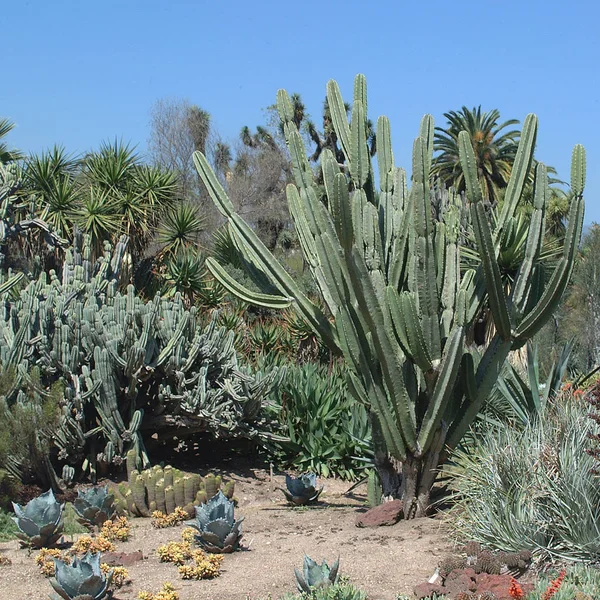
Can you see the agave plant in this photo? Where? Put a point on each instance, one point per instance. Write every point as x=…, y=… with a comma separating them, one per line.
x=94, y=506
x=41, y=521
x=82, y=579
x=316, y=576
x=218, y=531
x=302, y=490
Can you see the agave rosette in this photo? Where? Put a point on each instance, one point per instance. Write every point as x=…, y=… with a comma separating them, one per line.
x=83, y=578
x=316, y=575
x=94, y=506
x=302, y=490
x=218, y=530
x=40, y=523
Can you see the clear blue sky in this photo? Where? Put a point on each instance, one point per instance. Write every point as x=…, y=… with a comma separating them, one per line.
x=82, y=72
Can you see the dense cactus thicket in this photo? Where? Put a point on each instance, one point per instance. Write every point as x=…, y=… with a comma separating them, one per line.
x=128, y=366
x=401, y=308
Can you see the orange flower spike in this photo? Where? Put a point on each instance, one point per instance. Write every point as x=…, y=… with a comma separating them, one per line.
x=554, y=586
x=515, y=591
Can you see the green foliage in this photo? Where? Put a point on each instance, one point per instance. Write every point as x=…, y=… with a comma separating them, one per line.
x=581, y=582
x=8, y=528
x=403, y=312
x=315, y=576
x=520, y=488
x=342, y=590
x=82, y=578
x=117, y=356
x=328, y=430
x=218, y=530
x=40, y=522
x=9, y=486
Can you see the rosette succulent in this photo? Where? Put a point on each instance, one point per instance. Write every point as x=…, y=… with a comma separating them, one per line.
x=40, y=523
x=82, y=579
x=302, y=490
x=219, y=532
x=94, y=506
x=316, y=576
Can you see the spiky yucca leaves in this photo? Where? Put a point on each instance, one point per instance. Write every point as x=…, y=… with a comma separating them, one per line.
x=94, y=506
x=315, y=576
x=6, y=155
x=83, y=578
x=180, y=228
x=301, y=490
x=399, y=308
x=218, y=530
x=40, y=523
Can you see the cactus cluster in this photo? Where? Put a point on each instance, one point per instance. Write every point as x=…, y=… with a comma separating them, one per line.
x=163, y=489
x=125, y=363
x=400, y=306
x=482, y=560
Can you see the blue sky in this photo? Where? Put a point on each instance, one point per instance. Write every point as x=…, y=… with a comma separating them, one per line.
x=79, y=73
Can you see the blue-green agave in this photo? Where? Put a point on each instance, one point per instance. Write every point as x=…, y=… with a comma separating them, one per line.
x=82, y=579
x=316, y=576
x=219, y=532
x=94, y=506
x=302, y=490
x=40, y=523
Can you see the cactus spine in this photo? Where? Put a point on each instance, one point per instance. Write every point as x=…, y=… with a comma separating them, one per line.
x=390, y=275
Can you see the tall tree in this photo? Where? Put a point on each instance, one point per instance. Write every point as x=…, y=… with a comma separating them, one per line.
x=493, y=147
x=7, y=155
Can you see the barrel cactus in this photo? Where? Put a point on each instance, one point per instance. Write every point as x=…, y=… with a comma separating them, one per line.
x=302, y=490
x=40, y=523
x=82, y=579
x=94, y=506
x=219, y=532
x=316, y=576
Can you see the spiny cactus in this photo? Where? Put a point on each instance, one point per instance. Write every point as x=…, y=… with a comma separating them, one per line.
x=388, y=268
x=149, y=490
x=127, y=364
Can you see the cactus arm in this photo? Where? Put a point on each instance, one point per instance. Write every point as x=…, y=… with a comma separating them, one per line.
x=214, y=187
x=243, y=293
x=360, y=163
x=535, y=319
x=519, y=172
x=535, y=239
x=483, y=236
x=444, y=386
x=578, y=167
x=339, y=118
x=12, y=282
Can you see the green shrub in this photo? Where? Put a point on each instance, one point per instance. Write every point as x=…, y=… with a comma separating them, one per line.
x=532, y=488
x=8, y=529
x=9, y=489
x=340, y=591
x=328, y=430
x=580, y=583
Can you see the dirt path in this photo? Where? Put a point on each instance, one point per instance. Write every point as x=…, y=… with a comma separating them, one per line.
x=382, y=561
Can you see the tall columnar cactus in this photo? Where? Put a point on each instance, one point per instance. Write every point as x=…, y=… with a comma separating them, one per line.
x=127, y=365
x=401, y=309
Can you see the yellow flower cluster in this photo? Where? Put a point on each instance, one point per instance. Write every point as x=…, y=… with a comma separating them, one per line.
x=205, y=566
x=116, y=530
x=87, y=543
x=44, y=559
x=120, y=575
x=160, y=520
x=188, y=535
x=167, y=592
x=175, y=552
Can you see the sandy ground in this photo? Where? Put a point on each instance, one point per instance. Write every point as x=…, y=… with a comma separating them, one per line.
x=382, y=561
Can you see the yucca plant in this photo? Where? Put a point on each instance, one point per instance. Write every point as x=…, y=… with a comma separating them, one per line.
x=40, y=523
x=180, y=228
x=83, y=579
x=399, y=308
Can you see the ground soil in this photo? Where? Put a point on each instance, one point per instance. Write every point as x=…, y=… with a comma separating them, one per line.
x=382, y=561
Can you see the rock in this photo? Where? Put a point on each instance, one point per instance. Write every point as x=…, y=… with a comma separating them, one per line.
x=388, y=513
x=498, y=585
x=125, y=559
x=459, y=580
x=426, y=590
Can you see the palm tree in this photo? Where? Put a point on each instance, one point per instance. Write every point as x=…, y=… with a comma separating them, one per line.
x=6, y=155
x=494, y=150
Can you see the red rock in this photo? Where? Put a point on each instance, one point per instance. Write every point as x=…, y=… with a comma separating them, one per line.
x=125, y=559
x=459, y=580
x=388, y=513
x=498, y=585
